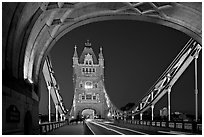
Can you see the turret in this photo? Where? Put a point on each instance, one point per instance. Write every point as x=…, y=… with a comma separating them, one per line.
x=101, y=59
x=75, y=57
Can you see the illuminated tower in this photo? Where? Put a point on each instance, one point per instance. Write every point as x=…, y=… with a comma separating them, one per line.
x=88, y=74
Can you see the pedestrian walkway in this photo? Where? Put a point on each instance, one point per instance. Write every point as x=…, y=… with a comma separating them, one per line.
x=72, y=129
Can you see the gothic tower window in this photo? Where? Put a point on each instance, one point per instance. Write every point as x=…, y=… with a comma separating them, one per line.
x=82, y=97
x=87, y=62
x=83, y=70
x=94, y=97
x=88, y=85
x=90, y=62
x=96, y=85
x=88, y=97
x=80, y=84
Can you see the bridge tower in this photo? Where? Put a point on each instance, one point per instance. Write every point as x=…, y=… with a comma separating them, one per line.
x=88, y=76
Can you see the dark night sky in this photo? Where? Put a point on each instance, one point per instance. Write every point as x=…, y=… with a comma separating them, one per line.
x=136, y=54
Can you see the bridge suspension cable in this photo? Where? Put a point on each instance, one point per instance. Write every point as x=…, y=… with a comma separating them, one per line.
x=53, y=89
x=165, y=82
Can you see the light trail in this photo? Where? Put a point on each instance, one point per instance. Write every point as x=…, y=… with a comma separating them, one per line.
x=107, y=128
x=125, y=129
x=90, y=128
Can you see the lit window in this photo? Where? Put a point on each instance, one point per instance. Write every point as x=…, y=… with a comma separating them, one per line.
x=88, y=97
x=88, y=85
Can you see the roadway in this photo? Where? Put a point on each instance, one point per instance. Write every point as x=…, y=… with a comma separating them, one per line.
x=101, y=127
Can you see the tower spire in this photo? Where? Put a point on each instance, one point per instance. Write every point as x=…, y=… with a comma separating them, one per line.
x=75, y=52
x=100, y=54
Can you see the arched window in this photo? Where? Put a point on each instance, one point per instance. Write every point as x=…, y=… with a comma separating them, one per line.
x=94, y=97
x=86, y=70
x=88, y=85
x=90, y=62
x=80, y=85
x=83, y=97
x=88, y=96
x=96, y=85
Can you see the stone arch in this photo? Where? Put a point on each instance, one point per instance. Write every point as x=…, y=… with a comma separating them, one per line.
x=30, y=30
x=96, y=110
x=85, y=109
x=89, y=17
x=38, y=26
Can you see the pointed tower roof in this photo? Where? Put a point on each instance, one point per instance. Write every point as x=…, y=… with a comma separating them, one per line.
x=100, y=54
x=75, y=52
x=87, y=50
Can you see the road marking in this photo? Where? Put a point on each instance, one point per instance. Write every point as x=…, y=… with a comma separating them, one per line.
x=166, y=132
x=107, y=128
x=126, y=129
x=175, y=132
x=90, y=128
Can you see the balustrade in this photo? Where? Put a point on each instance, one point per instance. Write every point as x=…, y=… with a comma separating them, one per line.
x=47, y=127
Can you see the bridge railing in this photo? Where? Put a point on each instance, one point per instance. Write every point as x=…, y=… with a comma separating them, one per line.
x=192, y=127
x=47, y=127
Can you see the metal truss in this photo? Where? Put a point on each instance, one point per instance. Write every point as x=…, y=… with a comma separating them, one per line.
x=53, y=87
x=168, y=78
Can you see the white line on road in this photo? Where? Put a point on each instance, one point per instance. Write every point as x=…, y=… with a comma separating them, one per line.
x=107, y=128
x=175, y=132
x=125, y=129
x=90, y=128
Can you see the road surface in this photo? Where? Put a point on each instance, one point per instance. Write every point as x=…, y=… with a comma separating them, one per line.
x=101, y=127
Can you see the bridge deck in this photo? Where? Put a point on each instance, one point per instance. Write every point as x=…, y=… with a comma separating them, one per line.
x=71, y=129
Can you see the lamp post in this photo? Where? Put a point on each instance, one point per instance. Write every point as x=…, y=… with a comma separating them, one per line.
x=56, y=113
x=49, y=105
x=196, y=89
x=169, y=104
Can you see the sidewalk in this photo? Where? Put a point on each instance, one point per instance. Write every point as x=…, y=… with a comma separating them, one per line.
x=75, y=129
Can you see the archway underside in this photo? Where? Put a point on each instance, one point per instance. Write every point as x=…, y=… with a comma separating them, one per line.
x=88, y=113
x=38, y=26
